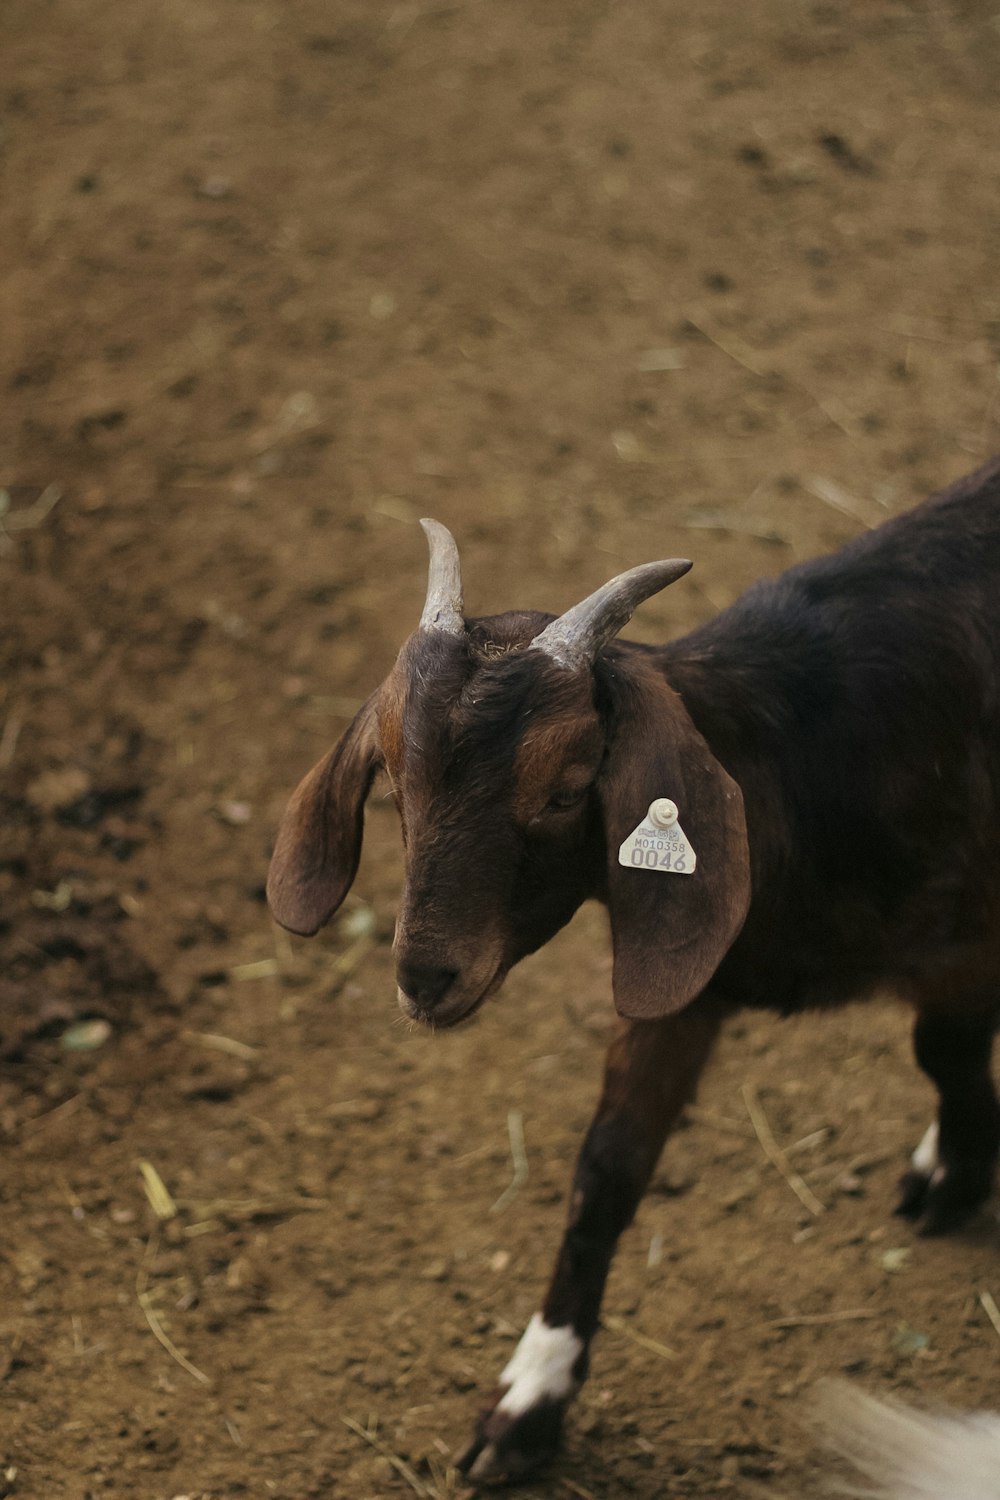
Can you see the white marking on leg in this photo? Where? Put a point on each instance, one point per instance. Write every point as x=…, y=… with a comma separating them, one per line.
x=926, y=1159
x=541, y=1368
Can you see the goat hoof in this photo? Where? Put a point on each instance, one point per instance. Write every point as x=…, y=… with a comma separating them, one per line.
x=505, y=1448
x=953, y=1200
x=913, y=1190
x=945, y=1201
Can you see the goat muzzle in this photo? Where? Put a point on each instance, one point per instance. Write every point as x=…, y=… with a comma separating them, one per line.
x=438, y=996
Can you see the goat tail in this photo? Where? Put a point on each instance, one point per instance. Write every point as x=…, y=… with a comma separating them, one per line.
x=902, y=1454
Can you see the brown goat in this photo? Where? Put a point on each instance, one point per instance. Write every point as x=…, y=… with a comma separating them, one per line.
x=831, y=745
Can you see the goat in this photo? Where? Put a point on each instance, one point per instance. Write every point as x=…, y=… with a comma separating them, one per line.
x=791, y=806
x=903, y=1454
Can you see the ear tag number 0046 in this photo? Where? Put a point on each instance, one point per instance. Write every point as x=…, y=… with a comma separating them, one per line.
x=659, y=843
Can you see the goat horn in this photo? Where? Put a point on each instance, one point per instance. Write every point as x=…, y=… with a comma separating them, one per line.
x=576, y=637
x=443, y=606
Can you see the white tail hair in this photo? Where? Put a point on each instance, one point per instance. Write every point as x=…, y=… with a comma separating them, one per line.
x=902, y=1454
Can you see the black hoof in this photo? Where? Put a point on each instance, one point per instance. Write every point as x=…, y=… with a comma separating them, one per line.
x=913, y=1190
x=941, y=1204
x=505, y=1448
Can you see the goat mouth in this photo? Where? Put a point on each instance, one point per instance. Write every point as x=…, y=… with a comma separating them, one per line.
x=446, y=1017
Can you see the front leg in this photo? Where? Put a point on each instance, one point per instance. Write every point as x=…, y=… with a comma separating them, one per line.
x=651, y=1072
x=953, y=1168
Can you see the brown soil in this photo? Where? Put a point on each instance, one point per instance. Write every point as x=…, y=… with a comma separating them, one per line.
x=278, y=279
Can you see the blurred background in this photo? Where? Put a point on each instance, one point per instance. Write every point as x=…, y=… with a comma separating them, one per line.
x=591, y=283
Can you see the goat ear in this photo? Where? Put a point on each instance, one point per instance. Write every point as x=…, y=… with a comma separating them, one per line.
x=319, y=841
x=669, y=931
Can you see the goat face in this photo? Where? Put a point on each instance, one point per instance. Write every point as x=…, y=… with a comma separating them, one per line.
x=493, y=752
x=519, y=762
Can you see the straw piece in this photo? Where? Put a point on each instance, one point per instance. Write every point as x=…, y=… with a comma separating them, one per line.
x=145, y=1300
x=400, y=1465
x=32, y=515
x=990, y=1308
x=160, y=1200
x=811, y=1320
x=619, y=1325
x=218, y=1043
x=515, y=1130
x=775, y=1154
x=13, y=724
x=146, y=1303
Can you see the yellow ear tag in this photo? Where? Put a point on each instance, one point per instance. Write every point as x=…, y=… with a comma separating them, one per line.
x=659, y=842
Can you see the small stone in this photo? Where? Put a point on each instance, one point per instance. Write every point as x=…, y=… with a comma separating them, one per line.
x=215, y=187
x=627, y=446
x=56, y=789
x=908, y=1341
x=57, y=900
x=236, y=814
x=382, y=306
x=86, y=1036
x=436, y=1270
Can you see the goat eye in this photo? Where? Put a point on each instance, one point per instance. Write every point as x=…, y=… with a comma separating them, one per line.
x=568, y=797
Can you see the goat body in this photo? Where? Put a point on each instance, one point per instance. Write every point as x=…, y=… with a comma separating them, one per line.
x=832, y=744
x=856, y=701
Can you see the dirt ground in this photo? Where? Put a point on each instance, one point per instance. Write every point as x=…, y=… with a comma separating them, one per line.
x=592, y=283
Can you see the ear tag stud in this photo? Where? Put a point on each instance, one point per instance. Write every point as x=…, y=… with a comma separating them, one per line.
x=659, y=842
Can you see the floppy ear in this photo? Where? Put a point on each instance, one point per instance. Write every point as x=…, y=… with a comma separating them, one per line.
x=319, y=841
x=669, y=931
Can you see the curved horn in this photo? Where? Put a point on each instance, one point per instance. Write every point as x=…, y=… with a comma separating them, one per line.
x=443, y=606
x=576, y=637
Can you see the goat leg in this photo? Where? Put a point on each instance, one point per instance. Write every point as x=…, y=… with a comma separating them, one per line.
x=952, y=1169
x=651, y=1072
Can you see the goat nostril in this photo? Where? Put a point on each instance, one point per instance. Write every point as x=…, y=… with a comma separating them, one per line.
x=426, y=984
